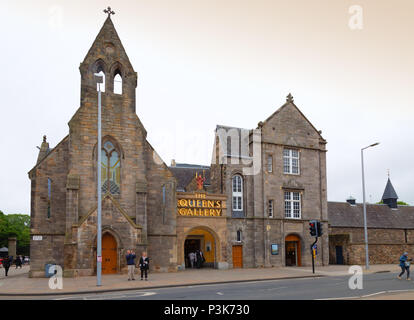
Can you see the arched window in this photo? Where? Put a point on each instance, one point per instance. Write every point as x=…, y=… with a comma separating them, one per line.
x=239, y=236
x=110, y=169
x=118, y=83
x=237, y=193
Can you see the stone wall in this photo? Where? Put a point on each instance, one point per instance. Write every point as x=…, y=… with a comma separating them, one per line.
x=385, y=246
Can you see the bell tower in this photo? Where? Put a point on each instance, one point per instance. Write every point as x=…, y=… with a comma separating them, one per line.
x=107, y=55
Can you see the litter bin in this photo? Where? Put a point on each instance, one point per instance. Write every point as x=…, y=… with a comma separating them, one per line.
x=48, y=271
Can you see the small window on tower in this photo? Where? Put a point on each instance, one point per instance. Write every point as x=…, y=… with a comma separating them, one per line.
x=118, y=84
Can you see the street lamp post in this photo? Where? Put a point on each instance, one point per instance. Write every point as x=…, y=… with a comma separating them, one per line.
x=99, y=80
x=365, y=206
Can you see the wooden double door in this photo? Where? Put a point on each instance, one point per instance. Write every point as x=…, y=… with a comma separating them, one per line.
x=109, y=254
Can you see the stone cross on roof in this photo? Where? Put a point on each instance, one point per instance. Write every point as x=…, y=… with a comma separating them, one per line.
x=109, y=11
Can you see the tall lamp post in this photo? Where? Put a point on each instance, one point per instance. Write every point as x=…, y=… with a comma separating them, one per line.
x=365, y=205
x=99, y=80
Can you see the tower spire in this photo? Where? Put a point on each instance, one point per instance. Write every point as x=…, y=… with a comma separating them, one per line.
x=390, y=196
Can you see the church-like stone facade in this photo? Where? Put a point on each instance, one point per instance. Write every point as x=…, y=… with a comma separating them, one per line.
x=262, y=218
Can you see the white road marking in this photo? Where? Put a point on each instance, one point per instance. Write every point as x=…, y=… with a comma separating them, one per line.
x=373, y=294
x=220, y=293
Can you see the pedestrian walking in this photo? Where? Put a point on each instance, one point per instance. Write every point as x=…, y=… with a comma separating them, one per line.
x=130, y=258
x=192, y=258
x=144, y=265
x=19, y=262
x=405, y=265
x=6, y=264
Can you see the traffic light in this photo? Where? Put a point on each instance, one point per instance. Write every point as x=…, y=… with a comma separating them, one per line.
x=312, y=228
x=319, y=231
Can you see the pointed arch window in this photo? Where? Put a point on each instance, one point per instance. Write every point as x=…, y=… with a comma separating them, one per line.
x=118, y=83
x=110, y=169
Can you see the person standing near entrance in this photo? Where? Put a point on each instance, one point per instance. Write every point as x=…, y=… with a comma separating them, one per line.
x=130, y=257
x=6, y=264
x=192, y=258
x=144, y=265
x=405, y=265
x=200, y=258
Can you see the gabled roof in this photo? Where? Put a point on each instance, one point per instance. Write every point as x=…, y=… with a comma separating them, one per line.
x=290, y=102
x=389, y=192
x=108, y=34
x=342, y=214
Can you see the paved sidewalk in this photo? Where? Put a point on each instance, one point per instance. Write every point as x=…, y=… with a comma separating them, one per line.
x=13, y=272
x=23, y=285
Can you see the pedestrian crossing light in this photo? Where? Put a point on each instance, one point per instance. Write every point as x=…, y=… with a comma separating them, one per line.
x=312, y=228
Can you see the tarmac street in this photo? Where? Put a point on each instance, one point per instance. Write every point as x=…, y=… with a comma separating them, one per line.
x=210, y=284
x=375, y=286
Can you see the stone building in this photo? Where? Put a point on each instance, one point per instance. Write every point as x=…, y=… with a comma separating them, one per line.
x=390, y=230
x=249, y=208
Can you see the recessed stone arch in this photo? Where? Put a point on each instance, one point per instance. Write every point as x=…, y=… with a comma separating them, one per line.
x=218, y=246
x=119, y=246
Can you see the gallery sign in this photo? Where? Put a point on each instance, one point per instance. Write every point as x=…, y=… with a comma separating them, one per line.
x=200, y=204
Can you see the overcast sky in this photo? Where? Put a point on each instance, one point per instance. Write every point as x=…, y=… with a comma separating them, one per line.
x=202, y=63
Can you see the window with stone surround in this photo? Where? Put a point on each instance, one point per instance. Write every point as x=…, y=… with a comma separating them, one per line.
x=237, y=193
x=270, y=163
x=291, y=161
x=292, y=204
x=110, y=169
x=239, y=236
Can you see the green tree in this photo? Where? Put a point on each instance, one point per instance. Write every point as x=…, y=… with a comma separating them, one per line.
x=400, y=203
x=15, y=225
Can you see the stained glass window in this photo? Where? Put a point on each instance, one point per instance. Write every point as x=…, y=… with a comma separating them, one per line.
x=110, y=169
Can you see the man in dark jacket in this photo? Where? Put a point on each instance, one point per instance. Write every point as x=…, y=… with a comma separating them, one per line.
x=18, y=262
x=6, y=264
x=130, y=258
x=200, y=259
x=144, y=265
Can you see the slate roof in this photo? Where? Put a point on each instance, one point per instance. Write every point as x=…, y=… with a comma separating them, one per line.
x=184, y=173
x=389, y=192
x=342, y=214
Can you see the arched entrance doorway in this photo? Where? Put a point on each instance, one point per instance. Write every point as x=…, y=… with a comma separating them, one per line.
x=293, y=251
x=200, y=239
x=109, y=254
